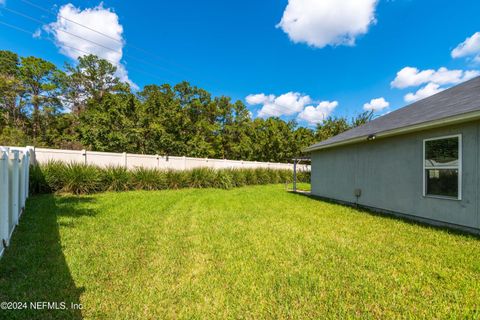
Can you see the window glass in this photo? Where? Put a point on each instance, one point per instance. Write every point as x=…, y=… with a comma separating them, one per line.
x=442, y=167
x=442, y=152
x=442, y=182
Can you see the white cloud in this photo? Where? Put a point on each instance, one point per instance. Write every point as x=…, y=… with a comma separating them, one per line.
x=327, y=22
x=2, y=2
x=314, y=115
x=377, y=104
x=37, y=34
x=424, y=92
x=413, y=77
x=285, y=104
x=256, y=99
x=470, y=47
x=98, y=18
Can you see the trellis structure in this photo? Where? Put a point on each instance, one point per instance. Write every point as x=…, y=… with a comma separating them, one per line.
x=296, y=162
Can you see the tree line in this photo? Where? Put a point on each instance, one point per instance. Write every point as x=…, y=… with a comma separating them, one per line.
x=85, y=106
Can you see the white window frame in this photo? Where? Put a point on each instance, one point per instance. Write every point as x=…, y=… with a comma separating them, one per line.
x=459, y=168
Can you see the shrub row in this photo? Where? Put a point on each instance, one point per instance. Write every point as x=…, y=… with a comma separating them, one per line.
x=84, y=179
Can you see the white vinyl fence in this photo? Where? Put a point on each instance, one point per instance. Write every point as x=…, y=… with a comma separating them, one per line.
x=14, y=180
x=132, y=161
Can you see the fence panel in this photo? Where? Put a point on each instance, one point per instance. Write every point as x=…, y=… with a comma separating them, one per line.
x=44, y=155
x=105, y=159
x=13, y=190
x=141, y=160
x=4, y=200
x=14, y=180
x=132, y=161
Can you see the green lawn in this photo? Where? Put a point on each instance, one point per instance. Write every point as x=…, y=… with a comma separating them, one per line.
x=254, y=252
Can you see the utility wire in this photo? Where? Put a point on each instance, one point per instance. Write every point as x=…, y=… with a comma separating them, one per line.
x=96, y=31
x=77, y=23
x=79, y=50
x=91, y=41
x=16, y=28
x=61, y=30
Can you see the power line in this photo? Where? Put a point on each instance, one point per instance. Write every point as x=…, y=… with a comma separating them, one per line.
x=79, y=50
x=91, y=41
x=61, y=30
x=94, y=30
x=16, y=28
x=77, y=23
x=111, y=61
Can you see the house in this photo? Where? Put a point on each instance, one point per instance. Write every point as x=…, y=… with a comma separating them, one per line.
x=421, y=161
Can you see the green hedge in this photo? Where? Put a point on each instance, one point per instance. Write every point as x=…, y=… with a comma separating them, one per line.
x=84, y=179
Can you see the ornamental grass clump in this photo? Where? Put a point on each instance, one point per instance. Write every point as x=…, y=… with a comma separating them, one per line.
x=79, y=178
x=116, y=178
x=38, y=184
x=262, y=176
x=238, y=177
x=54, y=175
x=201, y=178
x=148, y=179
x=250, y=177
x=177, y=179
x=223, y=179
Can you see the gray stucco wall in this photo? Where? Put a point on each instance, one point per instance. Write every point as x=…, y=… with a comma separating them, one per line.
x=389, y=172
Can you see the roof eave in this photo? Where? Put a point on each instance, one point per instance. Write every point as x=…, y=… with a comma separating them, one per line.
x=413, y=128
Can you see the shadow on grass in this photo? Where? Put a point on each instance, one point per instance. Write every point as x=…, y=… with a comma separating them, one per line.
x=33, y=268
x=409, y=219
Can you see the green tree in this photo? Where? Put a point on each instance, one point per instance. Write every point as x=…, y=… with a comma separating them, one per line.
x=362, y=118
x=303, y=137
x=89, y=107
x=11, y=113
x=200, y=112
x=109, y=125
x=330, y=127
x=90, y=79
x=236, y=124
x=41, y=80
x=161, y=121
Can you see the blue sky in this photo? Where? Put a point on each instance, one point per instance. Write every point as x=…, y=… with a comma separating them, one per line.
x=238, y=48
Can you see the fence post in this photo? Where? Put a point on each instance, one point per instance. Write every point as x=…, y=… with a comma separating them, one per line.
x=4, y=199
x=124, y=157
x=32, y=156
x=28, y=154
x=84, y=154
x=295, y=175
x=21, y=182
x=184, y=163
x=13, y=187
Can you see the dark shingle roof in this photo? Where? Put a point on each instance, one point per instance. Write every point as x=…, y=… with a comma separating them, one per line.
x=463, y=98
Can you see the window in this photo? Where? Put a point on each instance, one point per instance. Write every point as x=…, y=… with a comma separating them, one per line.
x=442, y=172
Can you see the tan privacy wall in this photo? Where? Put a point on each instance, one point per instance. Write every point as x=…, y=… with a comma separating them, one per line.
x=132, y=161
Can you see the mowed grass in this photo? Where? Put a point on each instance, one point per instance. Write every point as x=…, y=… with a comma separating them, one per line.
x=246, y=253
